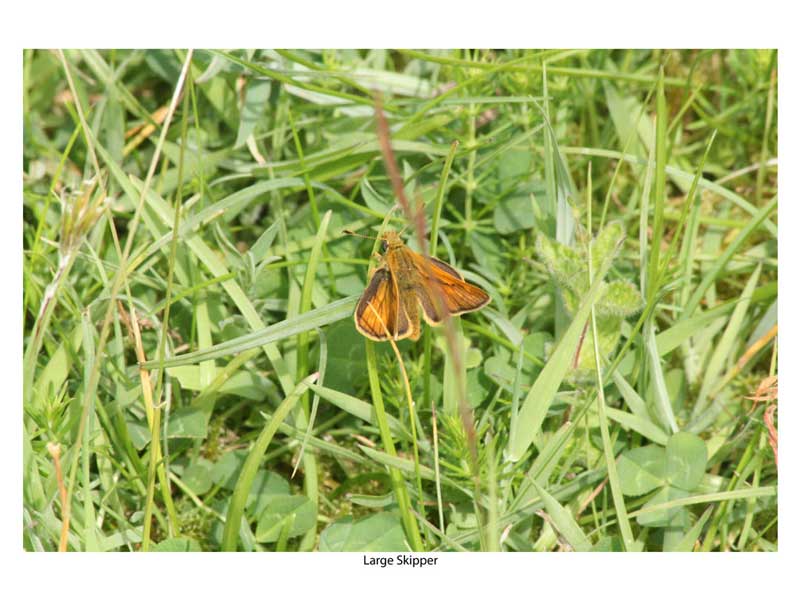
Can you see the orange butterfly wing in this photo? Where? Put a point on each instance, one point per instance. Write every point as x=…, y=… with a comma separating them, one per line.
x=457, y=296
x=381, y=295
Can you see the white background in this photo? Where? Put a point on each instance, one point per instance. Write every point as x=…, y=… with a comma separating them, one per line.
x=429, y=24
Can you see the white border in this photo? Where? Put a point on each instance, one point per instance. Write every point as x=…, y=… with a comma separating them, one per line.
x=408, y=24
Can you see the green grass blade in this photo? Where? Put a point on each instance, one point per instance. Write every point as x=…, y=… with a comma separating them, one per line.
x=90, y=533
x=691, y=537
x=671, y=338
x=542, y=393
x=303, y=411
x=563, y=520
x=727, y=496
x=434, y=244
x=659, y=192
x=716, y=269
x=644, y=427
x=544, y=464
x=319, y=317
x=361, y=410
x=632, y=399
x=682, y=177
x=728, y=343
x=251, y=465
x=212, y=262
x=398, y=484
x=663, y=401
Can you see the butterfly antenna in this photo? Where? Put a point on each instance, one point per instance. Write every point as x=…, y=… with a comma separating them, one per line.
x=351, y=232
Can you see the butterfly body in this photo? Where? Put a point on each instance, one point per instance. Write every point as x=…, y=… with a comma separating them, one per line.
x=406, y=281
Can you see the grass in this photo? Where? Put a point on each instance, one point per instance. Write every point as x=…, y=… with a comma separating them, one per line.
x=192, y=376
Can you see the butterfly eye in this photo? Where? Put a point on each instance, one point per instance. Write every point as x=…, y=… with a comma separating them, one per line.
x=384, y=245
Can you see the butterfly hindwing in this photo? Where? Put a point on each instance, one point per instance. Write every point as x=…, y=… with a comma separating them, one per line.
x=457, y=296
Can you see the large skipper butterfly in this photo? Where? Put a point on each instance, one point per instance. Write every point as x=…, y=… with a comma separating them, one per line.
x=403, y=282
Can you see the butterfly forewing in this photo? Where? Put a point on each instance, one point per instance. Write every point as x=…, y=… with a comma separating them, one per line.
x=379, y=311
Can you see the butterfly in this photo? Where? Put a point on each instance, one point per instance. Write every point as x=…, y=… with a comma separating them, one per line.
x=406, y=281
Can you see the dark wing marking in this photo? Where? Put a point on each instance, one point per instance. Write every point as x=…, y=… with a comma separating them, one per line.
x=446, y=267
x=431, y=310
x=404, y=327
x=409, y=310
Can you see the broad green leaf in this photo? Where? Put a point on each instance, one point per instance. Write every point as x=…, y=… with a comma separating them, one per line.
x=503, y=373
x=225, y=471
x=346, y=370
x=266, y=485
x=378, y=533
x=180, y=544
x=198, y=476
x=514, y=213
x=676, y=516
x=515, y=164
x=609, y=544
x=243, y=383
x=478, y=388
x=641, y=470
x=685, y=460
x=188, y=422
x=487, y=252
x=298, y=510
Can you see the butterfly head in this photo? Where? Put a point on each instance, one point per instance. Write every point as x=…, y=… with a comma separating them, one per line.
x=390, y=239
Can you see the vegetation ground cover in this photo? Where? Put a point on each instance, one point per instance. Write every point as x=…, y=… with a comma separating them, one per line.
x=192, y=376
